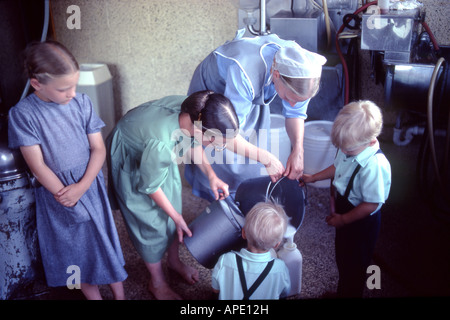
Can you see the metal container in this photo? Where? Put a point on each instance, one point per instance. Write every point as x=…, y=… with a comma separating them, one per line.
x=407, y=84
x=394, y=33
x=20, y=261
x=307, y=28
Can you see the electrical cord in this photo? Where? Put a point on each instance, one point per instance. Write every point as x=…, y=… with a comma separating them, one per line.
x=341, y=56
x=436, y=195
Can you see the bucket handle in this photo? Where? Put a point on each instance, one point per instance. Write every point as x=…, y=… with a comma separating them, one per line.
x=228, y=212
x=269, y=196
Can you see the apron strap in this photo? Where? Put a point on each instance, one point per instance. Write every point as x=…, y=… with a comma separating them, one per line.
x=255, y=285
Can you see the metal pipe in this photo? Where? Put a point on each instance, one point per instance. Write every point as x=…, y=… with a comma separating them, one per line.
x=262, y=18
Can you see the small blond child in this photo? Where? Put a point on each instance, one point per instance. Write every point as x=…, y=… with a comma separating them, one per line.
x=362, y=178
x=253, y=273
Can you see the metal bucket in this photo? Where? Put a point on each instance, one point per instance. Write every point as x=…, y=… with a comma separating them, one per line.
x=215, y=231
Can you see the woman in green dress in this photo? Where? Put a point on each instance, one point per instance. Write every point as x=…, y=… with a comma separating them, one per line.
x=144, y=151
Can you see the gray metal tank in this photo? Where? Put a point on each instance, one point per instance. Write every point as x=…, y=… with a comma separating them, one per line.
x=20, y=261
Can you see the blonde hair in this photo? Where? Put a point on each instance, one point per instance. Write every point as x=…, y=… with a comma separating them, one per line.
x=358, y=123
x=302, y=87
x=265, y=225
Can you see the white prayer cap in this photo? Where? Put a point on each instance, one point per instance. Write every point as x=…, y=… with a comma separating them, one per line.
x=296, y=62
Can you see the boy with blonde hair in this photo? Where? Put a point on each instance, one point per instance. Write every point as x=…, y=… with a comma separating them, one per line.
x=361, y=179
x=253, y=272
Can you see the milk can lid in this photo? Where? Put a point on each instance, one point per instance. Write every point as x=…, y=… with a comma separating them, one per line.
x=12, y=164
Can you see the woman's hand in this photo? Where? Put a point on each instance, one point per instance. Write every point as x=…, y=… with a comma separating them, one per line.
x=274, y=167
x=294, y=165
x=219, y=188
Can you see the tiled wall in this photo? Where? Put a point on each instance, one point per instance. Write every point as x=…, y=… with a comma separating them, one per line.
x=153, y=46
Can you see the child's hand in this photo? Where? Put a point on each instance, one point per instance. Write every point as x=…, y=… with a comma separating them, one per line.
x=306, y=178
x=335, y=220
x=69, y=195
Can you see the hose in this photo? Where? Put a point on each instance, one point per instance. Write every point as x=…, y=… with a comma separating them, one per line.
x=327, y=23
x=433, y=39
x=430, y=122
x=341, y=56
x=43, y=38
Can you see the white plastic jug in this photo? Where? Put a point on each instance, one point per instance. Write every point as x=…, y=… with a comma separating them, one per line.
x=294, y=260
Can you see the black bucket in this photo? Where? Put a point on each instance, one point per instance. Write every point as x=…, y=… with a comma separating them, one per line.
x=218, y=229
x=215, y=231
x=287, y=193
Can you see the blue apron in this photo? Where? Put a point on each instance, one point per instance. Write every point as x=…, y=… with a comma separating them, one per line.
x=248, y=53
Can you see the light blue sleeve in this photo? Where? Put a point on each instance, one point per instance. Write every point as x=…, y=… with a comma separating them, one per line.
x=216, y=273
x=297, y=111
x=93, y=122
x=375, y=182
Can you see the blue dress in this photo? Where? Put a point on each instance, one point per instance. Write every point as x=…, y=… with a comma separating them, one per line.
x=84, y=235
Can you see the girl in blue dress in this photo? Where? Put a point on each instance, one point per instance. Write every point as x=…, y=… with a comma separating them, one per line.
x=58, y=133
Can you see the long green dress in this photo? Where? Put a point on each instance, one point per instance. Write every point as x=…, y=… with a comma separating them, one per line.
x=141, y=159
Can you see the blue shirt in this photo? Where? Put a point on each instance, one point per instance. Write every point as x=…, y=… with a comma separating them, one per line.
x=225, y=276
x=371, y=184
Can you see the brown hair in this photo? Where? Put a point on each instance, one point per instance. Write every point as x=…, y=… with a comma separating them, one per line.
x=47, y=60
x=214, y=110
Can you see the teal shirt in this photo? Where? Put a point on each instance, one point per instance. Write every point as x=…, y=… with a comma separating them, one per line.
x=372, y=183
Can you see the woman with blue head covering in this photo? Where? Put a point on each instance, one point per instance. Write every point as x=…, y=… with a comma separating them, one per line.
x=251, y=72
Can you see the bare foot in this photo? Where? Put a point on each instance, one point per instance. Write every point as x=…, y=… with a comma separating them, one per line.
x=189, y=274
x=163, y=292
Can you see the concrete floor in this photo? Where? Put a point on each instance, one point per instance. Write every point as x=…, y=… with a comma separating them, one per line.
x=413, y=250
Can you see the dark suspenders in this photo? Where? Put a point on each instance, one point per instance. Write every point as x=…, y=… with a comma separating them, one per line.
x=255, y=285
x=350, y=183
